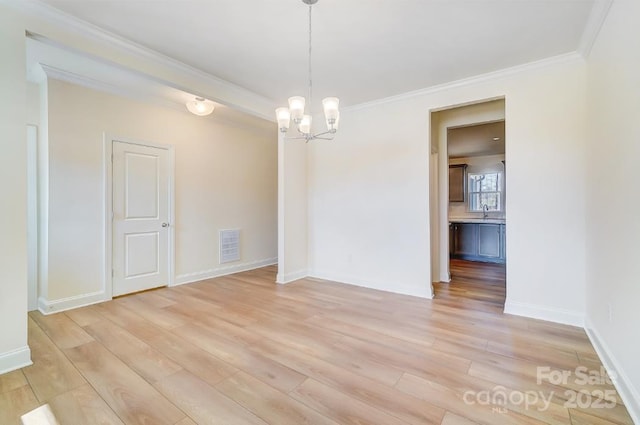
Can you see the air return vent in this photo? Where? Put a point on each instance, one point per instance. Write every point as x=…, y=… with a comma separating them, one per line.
x=229, y=245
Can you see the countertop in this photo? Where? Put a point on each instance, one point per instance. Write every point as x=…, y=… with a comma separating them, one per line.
x=477, y=220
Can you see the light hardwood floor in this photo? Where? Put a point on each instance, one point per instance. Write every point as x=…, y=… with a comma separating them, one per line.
x=242, y=350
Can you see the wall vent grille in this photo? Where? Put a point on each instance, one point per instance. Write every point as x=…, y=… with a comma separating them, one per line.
x=229, y=245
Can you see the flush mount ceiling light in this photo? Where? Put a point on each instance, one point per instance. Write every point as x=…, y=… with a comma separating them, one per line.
x=200, y=106
x=295, y=111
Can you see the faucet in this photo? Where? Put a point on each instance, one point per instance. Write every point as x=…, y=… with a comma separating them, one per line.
x=485, y=210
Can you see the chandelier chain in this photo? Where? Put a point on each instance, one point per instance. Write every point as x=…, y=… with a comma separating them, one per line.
x=310, y=74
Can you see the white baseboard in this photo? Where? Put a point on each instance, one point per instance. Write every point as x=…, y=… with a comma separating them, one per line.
x=425, y=291
x=550, y=314
x=222, y=271
x=290, y=277
x=40, y=416
x=445, y=278
x=15, y=359
x=628, y=393
x=56, y=306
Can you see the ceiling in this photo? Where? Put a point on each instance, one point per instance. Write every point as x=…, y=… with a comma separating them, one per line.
x=363, y=50
x=476, y=140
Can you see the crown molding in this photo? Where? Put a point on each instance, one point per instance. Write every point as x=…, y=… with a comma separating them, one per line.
x=236, y=96
x=489, y=76
x=45, y=72
x=598, y=15
x=263, y=105
x=91, y=83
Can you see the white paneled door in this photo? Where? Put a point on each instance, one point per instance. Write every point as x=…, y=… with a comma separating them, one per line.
x=141, y=210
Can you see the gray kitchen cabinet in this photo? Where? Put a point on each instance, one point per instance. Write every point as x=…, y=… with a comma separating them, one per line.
x=489, y=240
x=452, y=240
x=457, y=182
x=477, y=241
x=503, y=242
x=466, y=239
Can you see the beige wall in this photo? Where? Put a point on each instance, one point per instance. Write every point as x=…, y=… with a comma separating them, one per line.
x=14, y=352
x=613, y=228
x=225, y=177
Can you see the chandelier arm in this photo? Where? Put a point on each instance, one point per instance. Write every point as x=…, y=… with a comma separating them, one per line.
x=323, y=133
x=309, y=138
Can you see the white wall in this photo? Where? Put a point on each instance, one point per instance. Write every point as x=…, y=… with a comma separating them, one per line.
x=14, y=352
x=225, y=177
x=292, y=205
x=369, y=200
x=613, y=229
x=33, y=103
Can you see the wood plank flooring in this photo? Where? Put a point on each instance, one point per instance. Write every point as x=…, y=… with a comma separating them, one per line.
x=240, y=349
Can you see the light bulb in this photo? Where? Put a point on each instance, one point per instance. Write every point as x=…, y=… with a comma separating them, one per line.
x=333, y=126
x=305, y=124
x=296, y=107
x=283, y=116
x=330, y=105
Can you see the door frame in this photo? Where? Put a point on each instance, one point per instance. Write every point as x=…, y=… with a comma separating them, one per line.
x=441, y=188
x=32, y=217
x=107, y=162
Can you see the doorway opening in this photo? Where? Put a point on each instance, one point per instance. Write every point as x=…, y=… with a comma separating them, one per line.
x=482, y=284
x=469, y=217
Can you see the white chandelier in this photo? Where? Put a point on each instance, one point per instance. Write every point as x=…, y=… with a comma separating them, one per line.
x=295, y=111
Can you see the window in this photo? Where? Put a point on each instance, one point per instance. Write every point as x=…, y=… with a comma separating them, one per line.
x=485, y=189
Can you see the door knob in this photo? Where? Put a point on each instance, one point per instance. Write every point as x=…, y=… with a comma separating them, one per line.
x=165, y=224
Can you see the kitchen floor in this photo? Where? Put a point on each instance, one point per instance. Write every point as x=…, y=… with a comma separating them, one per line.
x=475, y=281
